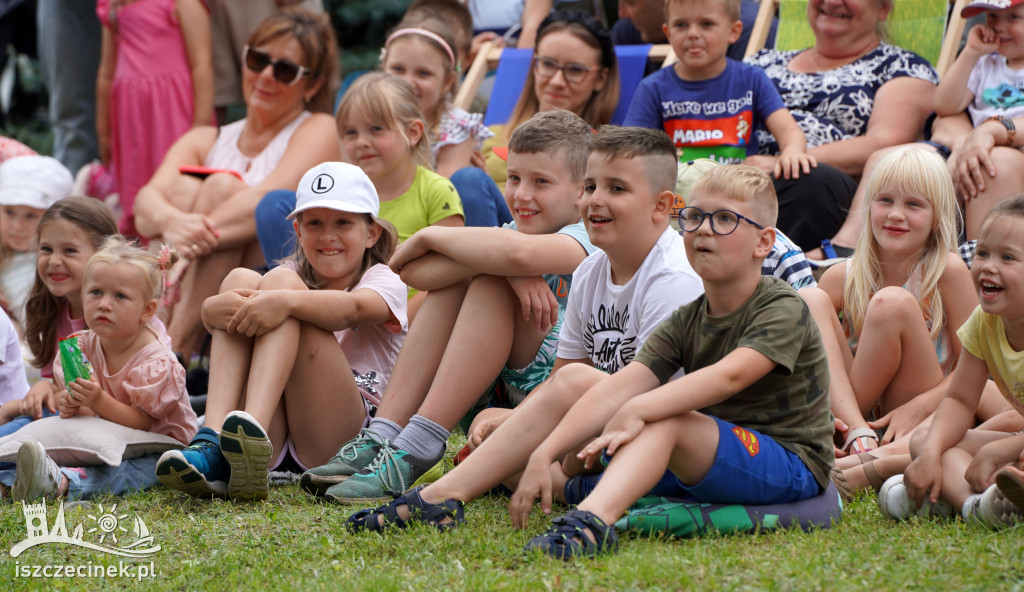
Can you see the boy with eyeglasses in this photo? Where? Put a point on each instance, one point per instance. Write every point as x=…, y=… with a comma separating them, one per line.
x=749, y=423
x=711, y=105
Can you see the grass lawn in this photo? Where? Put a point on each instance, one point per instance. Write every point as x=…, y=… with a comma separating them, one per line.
x=293, y=542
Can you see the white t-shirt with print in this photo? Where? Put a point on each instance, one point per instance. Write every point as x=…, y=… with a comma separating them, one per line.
x=607, y=323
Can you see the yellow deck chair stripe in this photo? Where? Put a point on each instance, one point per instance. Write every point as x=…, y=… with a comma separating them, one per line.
x=917, y=25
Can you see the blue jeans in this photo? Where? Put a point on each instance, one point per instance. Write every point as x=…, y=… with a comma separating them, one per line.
x=130, y=476
x=482, y=202
x=275, y=233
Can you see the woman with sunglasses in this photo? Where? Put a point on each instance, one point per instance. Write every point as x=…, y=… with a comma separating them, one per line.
x=574, y=68
x=202, y=197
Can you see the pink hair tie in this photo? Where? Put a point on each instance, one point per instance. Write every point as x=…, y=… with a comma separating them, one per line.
x=425, y=33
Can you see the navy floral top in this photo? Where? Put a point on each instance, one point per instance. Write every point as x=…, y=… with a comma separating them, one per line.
x=836, y=104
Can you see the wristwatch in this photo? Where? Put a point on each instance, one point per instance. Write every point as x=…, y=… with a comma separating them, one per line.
x=1011, y=130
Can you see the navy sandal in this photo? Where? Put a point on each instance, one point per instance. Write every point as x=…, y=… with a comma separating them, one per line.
x=566, y=537
x=419, y=511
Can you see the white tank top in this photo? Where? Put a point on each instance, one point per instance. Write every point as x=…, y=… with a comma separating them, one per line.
x=225, y=153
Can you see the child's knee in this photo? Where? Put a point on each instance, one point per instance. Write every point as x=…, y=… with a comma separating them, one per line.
x=281, y=278
x=240, y=278
x=571, y=381
x=892, y=304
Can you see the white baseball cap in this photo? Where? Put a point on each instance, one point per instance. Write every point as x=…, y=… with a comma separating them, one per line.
x=34, y=181
x=337, y=186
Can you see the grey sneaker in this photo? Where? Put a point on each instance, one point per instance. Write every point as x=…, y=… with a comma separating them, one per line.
x=36, y=476
x=354, y=456
x=246, y=446
x=992, y=509
x=393, y=472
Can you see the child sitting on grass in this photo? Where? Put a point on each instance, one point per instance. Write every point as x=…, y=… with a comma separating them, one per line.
x=496, y=300
x=619, y=296
x=749, y=423
x=952, y=463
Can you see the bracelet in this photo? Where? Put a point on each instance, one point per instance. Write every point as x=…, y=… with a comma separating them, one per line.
x=1011, y=129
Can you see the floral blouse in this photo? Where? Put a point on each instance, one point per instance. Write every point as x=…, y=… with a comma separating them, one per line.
x=835, y=104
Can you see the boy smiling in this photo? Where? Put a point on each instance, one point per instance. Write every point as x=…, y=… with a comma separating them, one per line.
x=750, y=421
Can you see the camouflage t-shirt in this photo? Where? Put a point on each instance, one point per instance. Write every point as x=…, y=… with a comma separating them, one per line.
x=790, y=404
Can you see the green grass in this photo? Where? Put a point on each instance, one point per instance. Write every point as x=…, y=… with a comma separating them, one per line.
x=292, y=541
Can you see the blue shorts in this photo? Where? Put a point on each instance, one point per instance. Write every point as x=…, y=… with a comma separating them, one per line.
x=750, y=468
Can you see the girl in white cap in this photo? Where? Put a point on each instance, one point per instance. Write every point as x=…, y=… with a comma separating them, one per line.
x=275, y=347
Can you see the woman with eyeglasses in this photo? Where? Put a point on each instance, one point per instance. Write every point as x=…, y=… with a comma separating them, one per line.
x=202, y=197
x=574, y=68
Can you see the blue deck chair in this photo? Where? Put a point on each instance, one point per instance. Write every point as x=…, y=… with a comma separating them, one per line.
x=514, y=64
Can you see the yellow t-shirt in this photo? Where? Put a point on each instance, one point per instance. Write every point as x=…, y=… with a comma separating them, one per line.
x=985, y=337
x=430, y=198
x=496, y=167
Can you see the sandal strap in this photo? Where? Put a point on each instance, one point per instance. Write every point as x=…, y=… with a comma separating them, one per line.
x=433, y=514
x=368, y=519
x=566, y=538
x=853, y=438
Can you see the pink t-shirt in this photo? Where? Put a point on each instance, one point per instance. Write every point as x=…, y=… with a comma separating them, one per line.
x=152, y=380
x=371, y=350
x=65, y=326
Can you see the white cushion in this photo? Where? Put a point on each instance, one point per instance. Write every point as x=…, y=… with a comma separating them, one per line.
x=85, y=441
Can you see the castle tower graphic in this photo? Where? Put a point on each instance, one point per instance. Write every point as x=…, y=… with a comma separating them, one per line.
x=35, y=519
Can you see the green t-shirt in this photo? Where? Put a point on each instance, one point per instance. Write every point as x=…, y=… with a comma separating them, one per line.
x=790, y=404
x=430, y=198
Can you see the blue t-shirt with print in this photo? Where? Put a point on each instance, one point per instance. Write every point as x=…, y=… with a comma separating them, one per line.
x=712, y=118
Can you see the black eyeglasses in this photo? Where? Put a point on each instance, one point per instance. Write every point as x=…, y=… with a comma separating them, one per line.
x=723, y=222
x=285, y=71
x=547, y=68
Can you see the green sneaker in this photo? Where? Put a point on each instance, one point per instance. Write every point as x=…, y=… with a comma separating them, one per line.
x=247, y=448
x=354, y=456
x=391, y=473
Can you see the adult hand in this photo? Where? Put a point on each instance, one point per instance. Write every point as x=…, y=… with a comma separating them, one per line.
x=41, y=393
x=970, y=162
x=192, y=235
x=535, y=483
x=538, y=302
x=924, y=477
x=262, y=311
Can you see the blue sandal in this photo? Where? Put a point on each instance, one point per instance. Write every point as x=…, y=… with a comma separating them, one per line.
x=566, y=537
x=419, y=511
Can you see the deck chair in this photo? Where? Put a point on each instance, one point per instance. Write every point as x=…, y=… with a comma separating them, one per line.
x=513, y=65
x=917, y=25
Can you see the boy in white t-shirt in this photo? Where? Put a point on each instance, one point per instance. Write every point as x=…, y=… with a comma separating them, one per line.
x=619, y=296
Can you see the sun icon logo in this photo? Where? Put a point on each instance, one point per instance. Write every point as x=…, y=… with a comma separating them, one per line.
x=108, y=523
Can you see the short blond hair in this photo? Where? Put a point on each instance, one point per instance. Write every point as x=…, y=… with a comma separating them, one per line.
x=746, y=184
x=732, y=8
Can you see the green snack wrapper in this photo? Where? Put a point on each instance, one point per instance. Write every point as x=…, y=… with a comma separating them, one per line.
x=73, y=361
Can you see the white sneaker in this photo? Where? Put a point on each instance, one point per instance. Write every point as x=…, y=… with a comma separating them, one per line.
x=895, y=504
x=992, y=509
x=36, y=476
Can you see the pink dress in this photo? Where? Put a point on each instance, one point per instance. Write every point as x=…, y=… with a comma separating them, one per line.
x=151, y=98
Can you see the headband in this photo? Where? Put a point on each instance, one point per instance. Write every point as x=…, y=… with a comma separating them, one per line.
x=429, y=35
